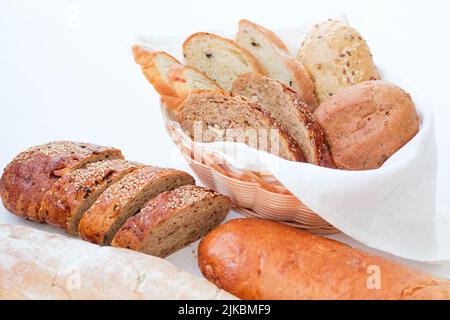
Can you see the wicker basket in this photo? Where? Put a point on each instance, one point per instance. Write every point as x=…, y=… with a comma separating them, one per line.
x=255, y=194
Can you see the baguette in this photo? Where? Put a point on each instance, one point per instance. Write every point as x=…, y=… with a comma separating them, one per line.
x=256, y=259
x=179, y=217
x=39, y=265
x=124, y=199
x=274, y=57
x=32, y=173
x=219, y=58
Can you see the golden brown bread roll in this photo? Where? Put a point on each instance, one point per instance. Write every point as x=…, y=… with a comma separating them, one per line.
x=257, y=259
x=367, y=123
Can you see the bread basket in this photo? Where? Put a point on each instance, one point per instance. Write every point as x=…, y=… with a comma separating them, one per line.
x=254, y=194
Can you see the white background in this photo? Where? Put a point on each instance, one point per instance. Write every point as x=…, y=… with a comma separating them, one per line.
x=66, y=69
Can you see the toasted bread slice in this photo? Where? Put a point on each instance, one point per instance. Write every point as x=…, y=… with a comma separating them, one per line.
x=286, y=108
x=221, y=59
x=215, y=117
x=273, y=56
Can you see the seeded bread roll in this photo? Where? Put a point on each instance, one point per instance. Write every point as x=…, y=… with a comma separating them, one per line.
x=68, y=199
x=173, y=220
x=214, y=114
x=32, y=173
x=367, y=123
x=288, y=109
x=274, y=57
x=263, y=260
x=125, y=198
x=336, y=56
x=219, y=58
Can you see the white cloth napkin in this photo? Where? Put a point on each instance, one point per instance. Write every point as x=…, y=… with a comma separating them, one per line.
x=392, y=209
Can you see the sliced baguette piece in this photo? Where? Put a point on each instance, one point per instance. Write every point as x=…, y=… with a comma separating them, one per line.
x=155, y=66
x=125, y=198
x=33, y=172
x=221, y=59
x=173, y=220
x=69, y=198
x=274, y=57
x=186, y=79
x=222, y=117
x=287, y=108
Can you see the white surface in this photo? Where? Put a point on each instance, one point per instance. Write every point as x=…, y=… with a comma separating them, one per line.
x=67, y=71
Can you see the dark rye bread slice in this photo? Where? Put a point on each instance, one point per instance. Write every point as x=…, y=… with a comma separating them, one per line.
x=290, y=111
x=33, y=172
x=221, y=117
x=173, y=220
x=69, y=198
x=125, y=198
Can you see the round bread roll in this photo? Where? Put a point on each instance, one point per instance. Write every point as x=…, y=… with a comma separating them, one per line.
x=336, y=56
x=367, y=123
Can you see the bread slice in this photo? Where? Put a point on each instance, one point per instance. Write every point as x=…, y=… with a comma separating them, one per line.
x=73, y=194
x=155, y=66
x=173, y=220
x=125, y=198
x=221, y=117
x=186, y=79
x=287, y=108
x=220, y=58
x=32, y=173
x=274, y=57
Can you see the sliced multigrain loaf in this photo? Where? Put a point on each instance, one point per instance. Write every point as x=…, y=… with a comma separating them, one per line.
x=219, y=58
x=222, y=117
x=287, y=108
x=155, y=66
x=125, y=198
x=69, y=198
x=274, y=57
x=32, y=173
x=173, y=220
x=336, y=56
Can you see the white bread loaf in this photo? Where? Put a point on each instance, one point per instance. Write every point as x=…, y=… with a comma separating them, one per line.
x=39, y=265
x=274, y=57
x=219, y=58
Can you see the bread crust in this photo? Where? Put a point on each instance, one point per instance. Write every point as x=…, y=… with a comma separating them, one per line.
x=264, y=260
x=367, y=123
x=160, y=210
x=33, y=172
x=69, y=193
x=110, y=206
x=300, y=76
x=147, y=60
x=336, y=56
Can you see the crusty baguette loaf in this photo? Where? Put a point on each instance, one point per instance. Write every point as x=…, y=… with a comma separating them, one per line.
x=274, y=57
x=336, y=56
x=367, y=123
x=39, y=265
x=32, y=173
x=68, y=199
x=155, y=66
x=220, y=58
x=288, y=109
x=125, y=198
x=173, y=220
x=256, y=259
x=221, y=117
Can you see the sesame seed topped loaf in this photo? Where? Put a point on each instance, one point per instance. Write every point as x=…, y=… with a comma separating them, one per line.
x=69, y=198
x=173, y=220
x=32, y=173
x=288, y=109
x=221, y=59
x=221, y=117
x=367, y=123
x=125, y=198
x=274, y=57
x=336, y=56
